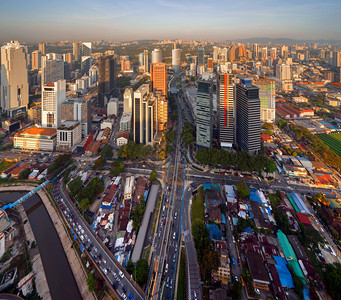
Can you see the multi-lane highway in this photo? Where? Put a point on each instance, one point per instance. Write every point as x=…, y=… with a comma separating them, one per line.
x=110, y=267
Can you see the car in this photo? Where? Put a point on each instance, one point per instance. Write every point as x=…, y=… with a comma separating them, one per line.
x=130, y=296
x=114, y=274
x=167, y=282
x=121, y=274
x=115, y=285
x=124, y=289
x=175, y=215
x=105, y=271
x=118, y=281
x=104, y=261
x=257, y=291
x=195, y=295
x=124, y=296
x=174, y=258
x=166, y=268
x=174, y=234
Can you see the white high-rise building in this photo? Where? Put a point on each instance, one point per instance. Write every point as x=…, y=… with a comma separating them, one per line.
x=86, y=57
x=156, y=56
x=53, y=95
x=284, y=76
x=53, y=68
x=128, y=100
x=264, y=54
x=176, y=60
x=14, y=79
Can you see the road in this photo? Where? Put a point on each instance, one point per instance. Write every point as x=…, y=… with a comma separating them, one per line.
x=109, y=266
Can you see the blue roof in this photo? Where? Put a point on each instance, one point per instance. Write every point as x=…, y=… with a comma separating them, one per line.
x=145, y=194
x=223, y=220
x=306, y=293
x=254, y=196
x=248, y=230
x=108, y=207
x=283, y=272
x=215, y=232
x=235, y=221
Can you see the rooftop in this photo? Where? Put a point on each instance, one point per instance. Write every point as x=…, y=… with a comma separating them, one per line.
x=35, y=131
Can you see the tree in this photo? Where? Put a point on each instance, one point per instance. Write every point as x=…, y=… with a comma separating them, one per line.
x=332, y=280
x=188, y=134
x=201, y=238
x=236, y=290
x=174, y=117
x=75, y=186
x=152, y=176
x=99, y=163
x=91, y=281
x=24, y=173
x=106, y=151
x=243, y=190
x=137, y=215
x=282, y=221
x=84, y=204
x=130, y=267
x=281, y=123
x=141, y=271
x=267, y=126
x=271, y=167
x=117, y=168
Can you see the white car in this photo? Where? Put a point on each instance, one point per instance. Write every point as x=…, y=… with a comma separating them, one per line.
x=121, y=274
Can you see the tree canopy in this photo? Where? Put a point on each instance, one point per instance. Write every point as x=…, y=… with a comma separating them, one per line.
x=24, y=173
x=117, y=168
x=106, y=152
x=243, y=190
x=134, y=151
x=75, y=186
x=137, y=215
x=188, y=134
x=141, y=271
x=99, y=163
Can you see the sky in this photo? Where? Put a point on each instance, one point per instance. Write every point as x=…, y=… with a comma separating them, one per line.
x=127, y=20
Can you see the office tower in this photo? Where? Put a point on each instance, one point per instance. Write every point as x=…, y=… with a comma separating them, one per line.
x=41, y=48
x=67, y=71
x=68, y=57
x=145, y=61
x=204, y=113
x=232, y=53
x=78, y=109
x=143, y=116
x=226, y=111
x=336, y=59
x=267, y=95
x=125, y=63
x=86, y=57
x=248, y=116
x=156, y=56
x=273, y=54
x=161, y=112
x=106, y=79
x=36, y=60
x=52, y=96
x=210, y=64
x=77, y=51
x=284, y=52
x=93, y=74
x=264, y=54
x=201, y=56
x=159, y=78
x=128, y=100
x=284, y=76
x=176, y=60
x=86, y=49
x=14, y=80
x=215, y=53
x=255, y=51
x=52, y=69
x=241, y=52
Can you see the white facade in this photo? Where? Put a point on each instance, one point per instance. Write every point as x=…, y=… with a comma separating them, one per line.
x=284, y=76
x=35, y=143
x=93, y=74
x=156, y=56
x=112, y=108
x=53, y=95
x=122, y=141
x=125, y=122
x=107, y=123
x=128, y=188
x=268, y=114
x=52, y=68
x=176, y=60
x=2, y=244
x=69, y=134
x=14, y=80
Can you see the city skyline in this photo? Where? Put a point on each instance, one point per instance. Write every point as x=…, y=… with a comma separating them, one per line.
x=161, y=19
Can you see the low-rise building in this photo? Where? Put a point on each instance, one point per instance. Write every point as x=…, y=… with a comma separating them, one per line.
x=36, y=139
x=223, y=272
x=128, y=188
x=125, y=123
x=258, y=272
x=122, y=138
x=69, y=134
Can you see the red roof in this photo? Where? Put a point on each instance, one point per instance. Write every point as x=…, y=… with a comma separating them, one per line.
x=303, y=218
x=265, y=137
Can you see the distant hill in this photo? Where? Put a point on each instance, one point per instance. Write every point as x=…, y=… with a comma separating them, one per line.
x=285, y=41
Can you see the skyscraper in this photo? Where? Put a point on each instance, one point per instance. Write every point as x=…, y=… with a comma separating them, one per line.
x=52, y=96
x=36, y=60
x=106, y=78
x=14, y=79
x=146, y=60
x=52, y=69
x=159, y=78
x=284, y=76
x=204, y=113
x=160, y=112
x=201, y=56
x=273, y=54
x=232, y=54
x=77, y=51
x=86, y=57
x=176, y=60
x=42, y=47
x=255, y=51
x=156, y=56
x=264, y=54
x=142, y=115
x=226, y=111
x=336, y=59
x=248, y=116
x=267, y=95
x=128, y=100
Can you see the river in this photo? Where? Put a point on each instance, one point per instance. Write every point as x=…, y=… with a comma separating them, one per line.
x=59, y=275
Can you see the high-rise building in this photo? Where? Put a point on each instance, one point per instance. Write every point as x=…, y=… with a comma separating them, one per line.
x=232, y=53
x=36, y=60
x=86, y=62
x=210, y=64
x=204, y=108
x=267, y=95
x=284, y=76
x=219, y=54
x=201, y=56
x=77, y=51
x=264, y=54
x=52, y=69
x=255, y=51
x=248, y=116
x=226, y=111
x=128, y=100
x=273, y=54
x=156, y=56
x=336, y=59
x=14, y=79
x=106, y=79
x=53, y=94
x=176, y=60
x=78, y=109
x=284, y=52
x=143, y=116
x=161, y=112
x=86, y=49
x=41, y=48
x=146, y=60
x=159, y=78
